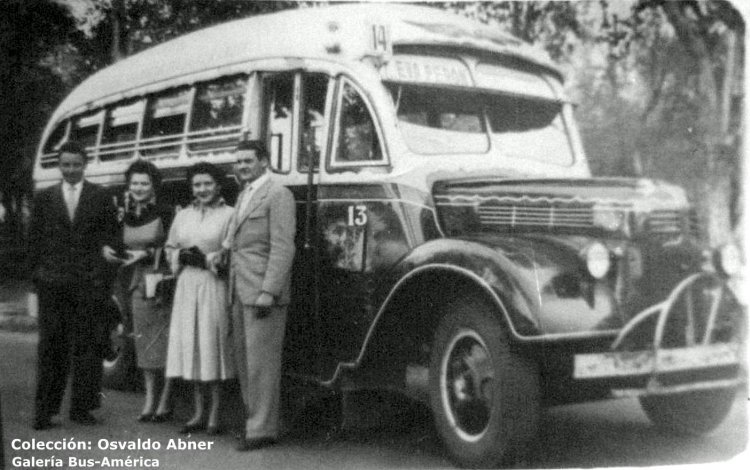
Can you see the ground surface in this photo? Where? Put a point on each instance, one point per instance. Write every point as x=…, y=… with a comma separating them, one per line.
x=604, y=434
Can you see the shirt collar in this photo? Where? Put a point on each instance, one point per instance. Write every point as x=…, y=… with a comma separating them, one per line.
x=258, y=182
x=137, y=207
x=217, y=203
x=78, y=186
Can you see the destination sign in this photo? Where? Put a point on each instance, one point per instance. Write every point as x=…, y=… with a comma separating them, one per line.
x=428, y=70
x=497, y=77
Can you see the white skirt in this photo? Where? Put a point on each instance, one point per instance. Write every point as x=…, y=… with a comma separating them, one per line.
x=199, y=344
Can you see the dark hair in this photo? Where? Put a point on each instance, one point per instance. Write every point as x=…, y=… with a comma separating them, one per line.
x=142, y=167
x=73, y=146
x=256, y=145
x=205, y=168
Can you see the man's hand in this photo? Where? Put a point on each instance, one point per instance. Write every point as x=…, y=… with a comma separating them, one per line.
x=217, y=260
x=213, y=259
x=263, y=305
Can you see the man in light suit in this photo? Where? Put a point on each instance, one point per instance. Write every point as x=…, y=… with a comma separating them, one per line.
x=261, y=249
x=71, y=223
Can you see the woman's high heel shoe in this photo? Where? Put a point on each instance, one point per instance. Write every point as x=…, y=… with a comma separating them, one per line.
x=145, y=417
x=189, y=428
x=162, y=417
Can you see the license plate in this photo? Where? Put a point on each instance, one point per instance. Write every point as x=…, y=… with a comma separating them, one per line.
x=622, y=364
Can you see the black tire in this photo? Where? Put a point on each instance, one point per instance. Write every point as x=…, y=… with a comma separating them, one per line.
x=692, y=413
x=485, y=398
x=120, y=372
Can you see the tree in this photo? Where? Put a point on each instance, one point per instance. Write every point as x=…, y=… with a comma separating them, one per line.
x=119, y=28
x=654, y=85
x=32, y=35
x=549, y=23
x=689, y=55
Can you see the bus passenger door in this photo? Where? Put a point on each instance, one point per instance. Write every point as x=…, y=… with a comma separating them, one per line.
x=296, y=106
x=346, y=215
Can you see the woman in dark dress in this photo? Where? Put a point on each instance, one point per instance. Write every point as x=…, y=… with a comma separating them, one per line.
x=145, y=224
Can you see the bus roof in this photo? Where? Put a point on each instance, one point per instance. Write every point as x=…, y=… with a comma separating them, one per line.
x=336, y=32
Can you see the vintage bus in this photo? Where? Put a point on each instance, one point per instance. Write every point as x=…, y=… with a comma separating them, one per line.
x=452, y=245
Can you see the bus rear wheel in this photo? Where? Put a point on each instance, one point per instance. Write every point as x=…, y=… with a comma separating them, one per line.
x=691, y=413
x=484, y=397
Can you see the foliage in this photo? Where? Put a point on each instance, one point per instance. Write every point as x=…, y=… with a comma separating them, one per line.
x=33, y=35
x=119, y=28
x=650, y=78
x=687, y=57
x=550, y=23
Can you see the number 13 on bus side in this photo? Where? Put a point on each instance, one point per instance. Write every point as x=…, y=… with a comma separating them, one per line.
x=356, y=215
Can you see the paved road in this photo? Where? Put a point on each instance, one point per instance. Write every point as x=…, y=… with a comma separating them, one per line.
x=606, y=434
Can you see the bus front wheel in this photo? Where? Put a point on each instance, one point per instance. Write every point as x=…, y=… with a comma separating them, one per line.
x=485, y=397
x=690, y=413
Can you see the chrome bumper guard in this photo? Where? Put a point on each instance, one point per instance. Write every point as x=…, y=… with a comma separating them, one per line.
x=696, y=304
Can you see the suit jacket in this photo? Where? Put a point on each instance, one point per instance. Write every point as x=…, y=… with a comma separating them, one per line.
x=261, y=243
x=68, y=252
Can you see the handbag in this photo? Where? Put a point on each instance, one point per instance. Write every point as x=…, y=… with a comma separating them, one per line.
x=165, y=289
x=192, y=256
x=160, y=283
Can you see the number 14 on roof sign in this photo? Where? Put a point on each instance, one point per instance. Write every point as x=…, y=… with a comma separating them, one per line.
x=380, y=40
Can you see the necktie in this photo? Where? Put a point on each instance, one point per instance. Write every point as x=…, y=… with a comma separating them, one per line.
x=70, y=200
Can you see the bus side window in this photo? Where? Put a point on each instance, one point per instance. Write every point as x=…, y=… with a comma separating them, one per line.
x=164, y=124
x=357, y=137
x=216, y=120
x=314, y=117
x=53, y=142
x=86, y=131
x=279, y=111
x=121, y=131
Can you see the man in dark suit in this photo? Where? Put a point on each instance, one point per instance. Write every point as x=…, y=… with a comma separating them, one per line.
x=261, y=246
x=71, y=223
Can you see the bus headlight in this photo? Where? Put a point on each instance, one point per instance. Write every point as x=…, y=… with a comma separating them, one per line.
x=728, y=259
x=597, y=260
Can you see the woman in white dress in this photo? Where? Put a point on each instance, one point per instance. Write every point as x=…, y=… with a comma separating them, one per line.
x=199, y=348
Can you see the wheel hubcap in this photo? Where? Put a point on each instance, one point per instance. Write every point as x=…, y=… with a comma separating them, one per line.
x=467, y=379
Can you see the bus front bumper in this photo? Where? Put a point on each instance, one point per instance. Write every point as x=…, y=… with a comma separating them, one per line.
x=693, y=340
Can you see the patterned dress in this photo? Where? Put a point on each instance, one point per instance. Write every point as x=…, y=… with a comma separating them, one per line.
x=199, y=344
x=144, y=228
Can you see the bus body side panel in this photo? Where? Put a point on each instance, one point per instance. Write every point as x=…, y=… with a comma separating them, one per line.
x=359, y=233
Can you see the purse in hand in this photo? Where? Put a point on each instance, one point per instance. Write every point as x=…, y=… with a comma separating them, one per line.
x=165, y=290
x=192, y=256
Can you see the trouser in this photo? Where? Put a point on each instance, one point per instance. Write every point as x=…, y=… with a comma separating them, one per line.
x=70, y=340
x=258, y=347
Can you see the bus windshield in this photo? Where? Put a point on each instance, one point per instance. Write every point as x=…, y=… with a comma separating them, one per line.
x=437, y=120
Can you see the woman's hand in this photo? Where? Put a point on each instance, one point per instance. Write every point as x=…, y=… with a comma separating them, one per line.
x=133, y=256
x=110, y=254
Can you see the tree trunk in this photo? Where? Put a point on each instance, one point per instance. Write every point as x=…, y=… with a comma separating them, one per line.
x=118, y=16
x=709, y=129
